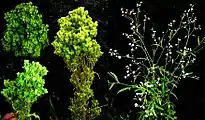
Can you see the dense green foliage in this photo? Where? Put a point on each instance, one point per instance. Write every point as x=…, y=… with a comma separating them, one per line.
x=76, y=44
x=25, y=33
x=76, y=37
x=25, y=89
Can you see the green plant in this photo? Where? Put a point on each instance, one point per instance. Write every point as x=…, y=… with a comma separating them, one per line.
x=25, y=33
x=22, y=92
x=159, y=74
x=76, y=44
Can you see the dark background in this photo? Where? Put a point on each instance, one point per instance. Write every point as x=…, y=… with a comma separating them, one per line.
x=191, y=104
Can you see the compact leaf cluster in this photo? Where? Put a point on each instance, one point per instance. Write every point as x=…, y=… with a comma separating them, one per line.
x=76, y=38
x=76, y=44
x=25, y=33
x=25, y=89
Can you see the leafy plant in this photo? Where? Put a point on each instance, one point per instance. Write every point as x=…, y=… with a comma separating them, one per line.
x=25, y=89
x=76, y=44
x=158, y=74
x=25, y=33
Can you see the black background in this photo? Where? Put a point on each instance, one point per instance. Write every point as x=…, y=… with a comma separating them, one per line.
x=191, y=104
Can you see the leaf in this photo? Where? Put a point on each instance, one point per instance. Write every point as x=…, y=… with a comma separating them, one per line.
x=163, y=87
x=97, y=74
x=124, y=89
x=174, y=95
x=142, y=59
x=179, y=52
x=111, y=86
x=158, y=45
x=171, y=34
x=159, y=101
x=198, y=40
x=113, y=76
x=193, y=54
x=160, y=108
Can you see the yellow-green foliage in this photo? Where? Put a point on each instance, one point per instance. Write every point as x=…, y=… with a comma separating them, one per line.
x=76, y=37
x=25, y=33
x=76, y=44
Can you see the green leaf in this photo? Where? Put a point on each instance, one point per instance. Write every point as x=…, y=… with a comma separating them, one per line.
x=193, y=54
x=124, y=89
x=111, y=86
x=113, y=76
x=158, y=107
x=198, y=40
x=159, y=101
x=157, y=45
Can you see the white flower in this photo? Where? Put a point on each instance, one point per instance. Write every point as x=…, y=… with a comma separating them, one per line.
x=136, y=105
x=132, y=49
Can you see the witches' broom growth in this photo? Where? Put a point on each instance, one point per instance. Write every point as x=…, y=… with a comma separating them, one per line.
x=22, y=92
x=76, y=44
x=25, y=33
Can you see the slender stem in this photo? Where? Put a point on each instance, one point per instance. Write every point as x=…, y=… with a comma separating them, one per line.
x=180, y=26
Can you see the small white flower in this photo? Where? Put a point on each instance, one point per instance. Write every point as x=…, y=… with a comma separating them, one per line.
x=136, y=105
x=137, y=94
x=132, y=49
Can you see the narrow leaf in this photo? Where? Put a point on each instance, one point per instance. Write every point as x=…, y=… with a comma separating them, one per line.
x=124, y=89
x=157, y=45
x=174, y=95
x=113, y=76
x=160, y=108
x=111, y=86
x=198, y=40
